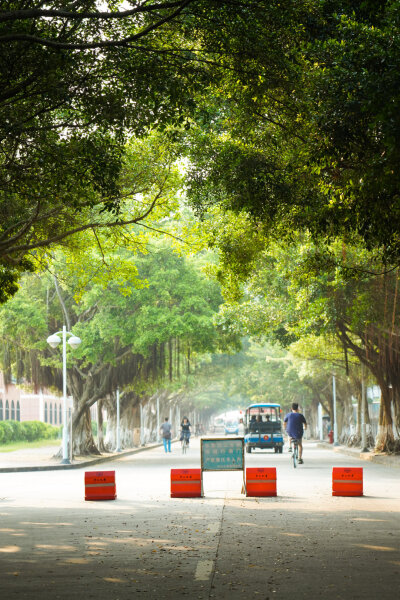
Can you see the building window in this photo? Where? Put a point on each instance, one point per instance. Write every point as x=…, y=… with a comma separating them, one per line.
x=18, y=411
x=45, y=412
x=60, y=414
x=1, y=410
x=12, y=410
x=7, y=411
x=55, y=414
x=51, y=413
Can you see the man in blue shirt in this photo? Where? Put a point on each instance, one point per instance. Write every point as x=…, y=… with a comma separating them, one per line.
x=295, y=423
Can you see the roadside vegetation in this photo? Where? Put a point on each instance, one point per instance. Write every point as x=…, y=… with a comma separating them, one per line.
x=15, y=433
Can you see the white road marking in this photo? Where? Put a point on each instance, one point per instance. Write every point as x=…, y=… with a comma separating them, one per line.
x=203, y=570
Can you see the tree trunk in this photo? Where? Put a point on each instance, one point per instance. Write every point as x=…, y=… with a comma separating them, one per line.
x=385, y=441
x=100, y=436
x=83, y=442
x=359, y=414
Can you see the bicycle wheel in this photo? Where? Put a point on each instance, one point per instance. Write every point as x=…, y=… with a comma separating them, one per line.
x=294, y=455
x=183, y=446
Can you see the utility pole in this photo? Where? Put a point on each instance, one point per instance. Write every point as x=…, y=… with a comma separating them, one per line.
x=335, y=431
x=118, y=449
x=158, y=420
x=320, y=424
x=141, y=425
x=363, y=410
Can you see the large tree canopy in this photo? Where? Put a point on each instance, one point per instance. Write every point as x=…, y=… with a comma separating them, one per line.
x=296, y=102
x=75, y=81
x=339, y=316
x=305, y=134
x=142, y=337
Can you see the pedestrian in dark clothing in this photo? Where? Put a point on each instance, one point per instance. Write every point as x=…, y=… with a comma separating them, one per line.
x=185, y=429
x=166, y=432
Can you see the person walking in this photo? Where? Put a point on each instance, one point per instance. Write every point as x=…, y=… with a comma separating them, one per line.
x=295, y=423
x=166, y=432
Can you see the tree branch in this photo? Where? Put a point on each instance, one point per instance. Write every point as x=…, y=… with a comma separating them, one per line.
x=35, y=13
x=100, y=44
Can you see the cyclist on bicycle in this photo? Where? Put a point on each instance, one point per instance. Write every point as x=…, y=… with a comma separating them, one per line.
x=295, y=424
x=185, y=430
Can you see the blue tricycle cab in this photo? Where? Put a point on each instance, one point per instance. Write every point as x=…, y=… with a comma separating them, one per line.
x=263, y=427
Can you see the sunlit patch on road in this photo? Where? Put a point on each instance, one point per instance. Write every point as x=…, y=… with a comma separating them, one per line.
x=76, y=561
x=55, y=547
x=377, y=548
x=370, y=520
x=10, y=549
x=203, y=570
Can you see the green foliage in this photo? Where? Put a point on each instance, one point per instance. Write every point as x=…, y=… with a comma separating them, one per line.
x=259, y=372
x=94, y=428
x=269, y=374
x=304, y=136
x=15, y=431
x=6, y=432
x=330, y=309
x=72, y=90
x=139, y=331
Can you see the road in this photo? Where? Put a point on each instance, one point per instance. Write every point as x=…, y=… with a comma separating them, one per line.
x=302, y=544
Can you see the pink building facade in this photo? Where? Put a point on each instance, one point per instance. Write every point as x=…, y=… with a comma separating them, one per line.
x=17, y=405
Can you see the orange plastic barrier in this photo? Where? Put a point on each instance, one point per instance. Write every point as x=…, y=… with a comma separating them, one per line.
x=261, y=482
x=186, y=483
x=100, y=485
x=347, y=481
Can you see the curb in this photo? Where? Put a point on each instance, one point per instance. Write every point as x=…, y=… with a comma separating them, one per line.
x=387, y=460
x=86, y=463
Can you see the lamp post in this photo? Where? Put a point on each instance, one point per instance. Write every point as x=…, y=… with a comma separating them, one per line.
x=74, y=342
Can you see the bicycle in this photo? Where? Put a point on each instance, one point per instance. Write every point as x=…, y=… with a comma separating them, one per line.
x=295, y=451
x=184, y=443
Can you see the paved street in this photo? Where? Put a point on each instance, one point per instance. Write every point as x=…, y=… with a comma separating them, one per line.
x=302, y=544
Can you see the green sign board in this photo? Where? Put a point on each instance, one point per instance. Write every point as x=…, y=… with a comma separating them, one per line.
x=219, y=454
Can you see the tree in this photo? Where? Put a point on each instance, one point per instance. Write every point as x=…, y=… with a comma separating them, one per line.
x=141, y=338
x=75, y=82
x=307, y=141
x=297, y=293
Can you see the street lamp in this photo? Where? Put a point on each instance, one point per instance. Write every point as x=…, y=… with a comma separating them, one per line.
x=74, y=342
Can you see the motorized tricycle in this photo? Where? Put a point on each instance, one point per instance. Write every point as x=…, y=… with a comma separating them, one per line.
x=263, y=427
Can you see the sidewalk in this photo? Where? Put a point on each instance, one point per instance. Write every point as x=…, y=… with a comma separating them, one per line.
x=389, y=460
x=43, y=459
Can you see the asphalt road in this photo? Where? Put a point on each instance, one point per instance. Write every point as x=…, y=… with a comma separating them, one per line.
x=302, y=544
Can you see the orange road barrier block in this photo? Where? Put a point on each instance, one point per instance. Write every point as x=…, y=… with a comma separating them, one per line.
x=186, y=483
x=261, y=482
x=100, y=485
x=347, y=481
